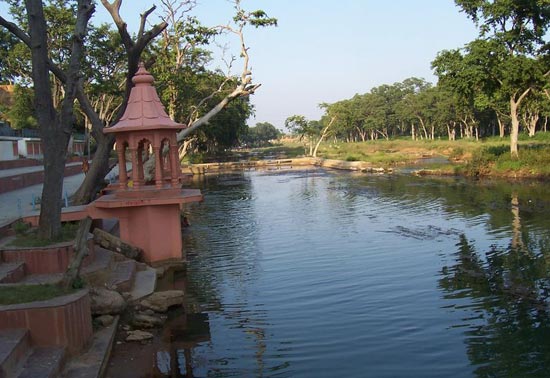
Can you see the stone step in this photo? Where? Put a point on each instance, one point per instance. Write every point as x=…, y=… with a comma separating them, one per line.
x=122, y=276
x=44, y=362
x=12, y=272
x=144, y=284
x=42, y=279
x=98, y=270
x=14, y=348
x=92, y=363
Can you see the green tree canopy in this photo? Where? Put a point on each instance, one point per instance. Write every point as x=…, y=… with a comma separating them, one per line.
x=261, y=134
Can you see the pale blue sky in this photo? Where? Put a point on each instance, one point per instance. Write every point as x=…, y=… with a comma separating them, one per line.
x=326, y=50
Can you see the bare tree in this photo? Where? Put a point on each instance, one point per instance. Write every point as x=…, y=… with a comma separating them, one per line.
x=134, y=49
x=244, y=85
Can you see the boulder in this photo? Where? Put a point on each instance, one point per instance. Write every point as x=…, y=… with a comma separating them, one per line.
x=104, y=301
x=138, y=335
x=160, y=301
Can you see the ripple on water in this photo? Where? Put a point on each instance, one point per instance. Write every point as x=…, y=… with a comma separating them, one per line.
x=318, y=274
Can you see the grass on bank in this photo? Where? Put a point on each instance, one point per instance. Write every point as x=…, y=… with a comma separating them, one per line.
x=533, y=161
x=488, y=156
x=27, y=237
x=30, y=293
x=396, y=151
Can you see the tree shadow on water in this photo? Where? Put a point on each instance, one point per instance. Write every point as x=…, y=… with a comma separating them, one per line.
x=508, y=315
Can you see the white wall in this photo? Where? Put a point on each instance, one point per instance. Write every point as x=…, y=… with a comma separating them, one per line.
x=6, y=150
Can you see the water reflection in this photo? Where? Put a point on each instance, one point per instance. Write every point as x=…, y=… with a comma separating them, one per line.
x=507, y=320
x=317, y=273
x=182, y=336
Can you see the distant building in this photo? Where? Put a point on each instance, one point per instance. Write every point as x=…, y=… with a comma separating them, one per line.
x=26, y=143
x=9, y=149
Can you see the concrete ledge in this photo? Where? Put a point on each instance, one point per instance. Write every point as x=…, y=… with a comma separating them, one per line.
x=62, y=321
x=11, y=183
x=285, y=163
x=229, y=166
x=20, y=163
x=68, y=214
x=41, y=260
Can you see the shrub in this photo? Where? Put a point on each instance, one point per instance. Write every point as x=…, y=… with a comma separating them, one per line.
x=481, y=163
x=30, y=238
x=496, y=151
x=196, y=158
x=456, y=153
x=21, y=227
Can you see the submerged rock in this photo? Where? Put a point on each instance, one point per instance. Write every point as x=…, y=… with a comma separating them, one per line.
x=141, y=320
x=138, y=335
x=162, y=300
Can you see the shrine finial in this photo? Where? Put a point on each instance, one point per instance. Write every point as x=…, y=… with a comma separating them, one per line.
x=142, y=76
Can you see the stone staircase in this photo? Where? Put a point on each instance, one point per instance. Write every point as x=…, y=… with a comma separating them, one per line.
x=111, y=270
x=19, y=357
x=12, y=272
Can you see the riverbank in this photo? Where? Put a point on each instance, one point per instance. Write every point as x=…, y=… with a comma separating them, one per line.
x=488, y=157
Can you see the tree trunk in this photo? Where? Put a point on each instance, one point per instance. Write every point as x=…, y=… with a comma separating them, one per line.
x=324, y=133
x=423, y=127
x=55, y=127
x=93, y=181
x=55, y=147
x=54, y=144
x=500, y=126
x=514, y=130
x=531, y=123
x=80, y=252
x=451, y=133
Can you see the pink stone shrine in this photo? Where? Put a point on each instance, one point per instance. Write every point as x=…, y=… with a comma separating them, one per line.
x=148, y=212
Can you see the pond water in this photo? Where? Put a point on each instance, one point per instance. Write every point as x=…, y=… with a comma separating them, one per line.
x=328, y=274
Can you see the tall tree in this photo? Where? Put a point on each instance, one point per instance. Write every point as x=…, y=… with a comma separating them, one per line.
x=55, y=123
x=512, y=33
x=311, y=133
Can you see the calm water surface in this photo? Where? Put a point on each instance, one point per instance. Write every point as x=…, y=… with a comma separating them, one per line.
x=323, y=274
